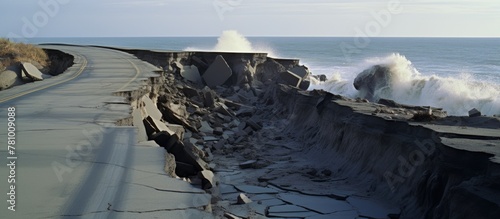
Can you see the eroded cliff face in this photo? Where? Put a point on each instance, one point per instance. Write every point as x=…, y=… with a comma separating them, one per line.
x=420, y=166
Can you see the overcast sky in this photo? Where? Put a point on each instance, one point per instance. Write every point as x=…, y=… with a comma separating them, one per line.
x=89, y=18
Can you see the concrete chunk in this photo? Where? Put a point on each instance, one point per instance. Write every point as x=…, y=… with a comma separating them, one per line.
x=207, y=179
x=290, y=78
x=218, y=73
x=474, y=113
x=191, y=73
x=151, y=108
x=301, y=71
x=243, y=199
x=30, y=71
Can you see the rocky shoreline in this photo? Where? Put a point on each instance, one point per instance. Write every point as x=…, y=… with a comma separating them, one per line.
x=264, y=147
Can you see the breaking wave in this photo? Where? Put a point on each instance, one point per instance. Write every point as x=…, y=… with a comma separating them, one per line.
x=457, y=95
x=233, y=41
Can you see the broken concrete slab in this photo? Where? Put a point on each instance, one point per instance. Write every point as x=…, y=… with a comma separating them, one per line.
x=286, y=208
x=206, y=128
x=255, y=189
x=207, y=179
x=218, y=73
x=31, y=72
x=301, y=71
x=151, y=108
x=243, y=199
x=324, y=205
x=191, y=74
x=137, y=121
x=228, y=215
x=255, y=126
x=190, y=92
x=227, y=189
x=290, y=78
x=372, y=208
x=474, y=113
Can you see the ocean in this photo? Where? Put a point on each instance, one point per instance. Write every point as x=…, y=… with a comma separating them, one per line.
x=456, y=74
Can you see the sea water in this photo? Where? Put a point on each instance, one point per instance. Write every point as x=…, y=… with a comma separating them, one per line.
x=456, y=74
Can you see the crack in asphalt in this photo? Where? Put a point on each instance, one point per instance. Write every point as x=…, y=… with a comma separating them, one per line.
x=167, y=190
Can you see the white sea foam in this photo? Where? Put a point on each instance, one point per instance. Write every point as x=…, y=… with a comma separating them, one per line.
x=233, y=41
x=457, y=95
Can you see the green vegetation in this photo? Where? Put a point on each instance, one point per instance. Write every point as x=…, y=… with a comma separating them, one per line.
x=11, y=53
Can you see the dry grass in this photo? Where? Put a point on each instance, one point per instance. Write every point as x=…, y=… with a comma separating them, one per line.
x=11, y=53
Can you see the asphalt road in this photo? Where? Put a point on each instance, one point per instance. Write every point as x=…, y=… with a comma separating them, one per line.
x=69, y=159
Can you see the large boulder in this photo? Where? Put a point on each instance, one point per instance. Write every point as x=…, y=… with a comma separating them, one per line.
x=371, y=80
x=8, y=79
x=218, y=73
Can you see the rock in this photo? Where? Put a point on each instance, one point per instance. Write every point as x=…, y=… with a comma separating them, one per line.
x=290, y=78
x=301, y=71
x=31, y=72
x=170, y=165
x=269, y=70
x=218, y=131
x=323, y=78
x=209, y=97
x=206, y=128
x=184, y=169
x=248, y=164
x=191, y=74
x=190, y=92
x=304, y=84
x=372, y=79
x=207, y=179
x=474, y=113
x=165, y=140
x=8, y=79
x=244, y=72
x=218, y=73
x=172, y=116
x=243, y=199
x=223, y=109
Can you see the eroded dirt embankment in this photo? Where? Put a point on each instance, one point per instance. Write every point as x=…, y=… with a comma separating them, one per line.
x=283, y=139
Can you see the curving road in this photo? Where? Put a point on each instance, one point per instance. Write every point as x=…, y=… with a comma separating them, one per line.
x=71, y=161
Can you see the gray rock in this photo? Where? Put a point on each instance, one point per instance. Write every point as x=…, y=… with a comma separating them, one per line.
x=255, y=126
x=218, y=73
x=191, y=73
x=290, y=78
x=30, y=71
x=170, y=164
x=269, y=70
x=207, y=179
x=209, y=97
x=372, y=79
x=474, y=113
x=243, y=199
x=8, y=79
x=218, y=131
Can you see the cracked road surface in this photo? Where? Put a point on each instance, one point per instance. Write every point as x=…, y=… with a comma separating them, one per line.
x=73, y=162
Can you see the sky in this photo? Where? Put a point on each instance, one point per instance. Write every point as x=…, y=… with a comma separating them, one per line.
x=144, y=18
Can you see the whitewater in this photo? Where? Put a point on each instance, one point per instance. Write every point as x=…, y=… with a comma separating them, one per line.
x=455, y=92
